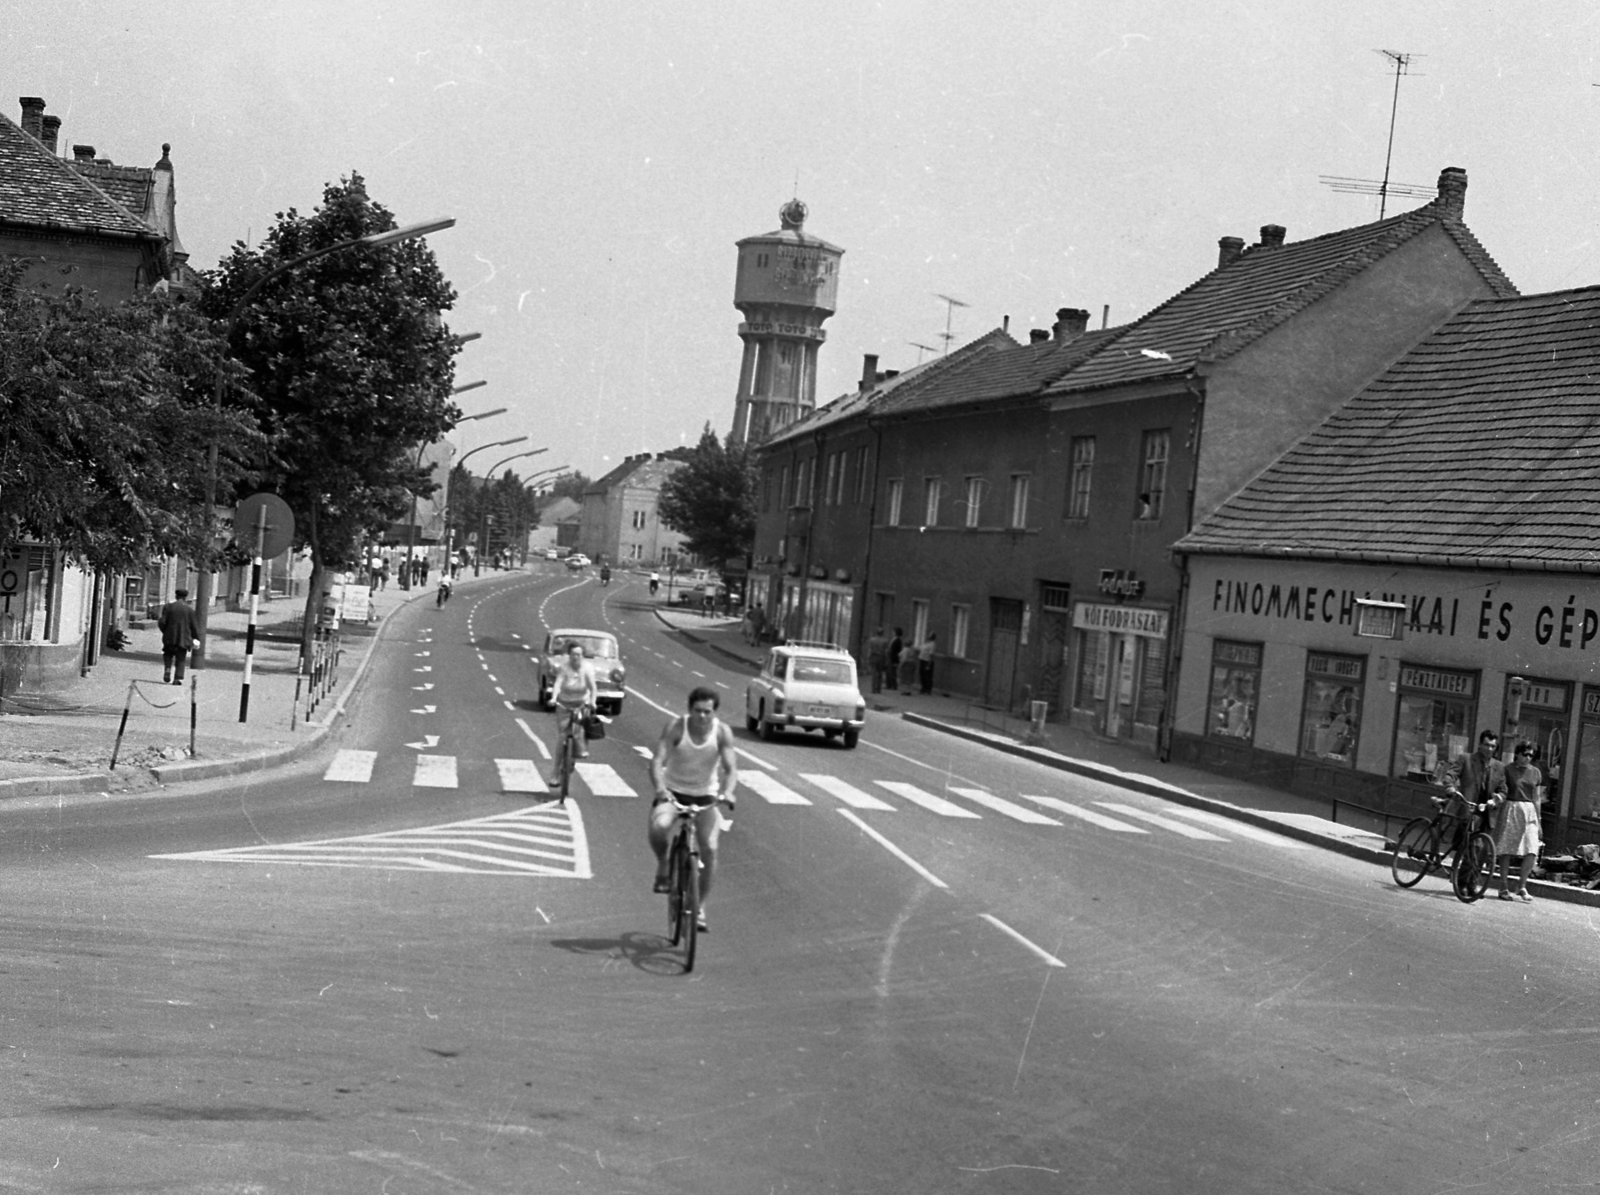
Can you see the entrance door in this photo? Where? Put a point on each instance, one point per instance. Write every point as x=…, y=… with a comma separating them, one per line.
x=1053, y=628
x=1005, y=634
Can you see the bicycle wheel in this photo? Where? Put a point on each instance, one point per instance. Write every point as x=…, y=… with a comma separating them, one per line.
x=691, y=909
x=1415, y=853
x=564, y=765
x=1474, y=867
x=675, y=869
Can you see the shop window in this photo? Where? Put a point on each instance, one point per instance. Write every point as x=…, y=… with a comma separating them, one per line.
x=1094, y=662
x=1152, y=681
x=1434, y=721
x=1235, y=687
x=1330, y=717
x=1538, y=714
x=1586, y=778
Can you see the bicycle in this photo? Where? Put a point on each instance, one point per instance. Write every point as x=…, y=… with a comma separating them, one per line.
x=683, y=879
x=568, y=752
x=1422, y=848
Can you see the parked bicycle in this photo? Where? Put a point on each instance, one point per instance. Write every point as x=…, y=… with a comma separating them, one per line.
x=1454, y=836
x=683, y=879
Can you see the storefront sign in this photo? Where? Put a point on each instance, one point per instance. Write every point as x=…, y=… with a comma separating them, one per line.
x=1546, y=697
x=1437, y=680
x=1126, y=620
x=1350, y=668
x=1248, y=654
x=1120, y=582
x=1591, y=703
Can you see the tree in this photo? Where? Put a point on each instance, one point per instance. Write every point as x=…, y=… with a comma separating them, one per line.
x=711, y=501
x=105, y=413
x=571, y=486
x=350, y=367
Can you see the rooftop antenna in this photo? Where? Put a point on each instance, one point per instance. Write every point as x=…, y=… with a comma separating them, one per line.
x=949, y=310
x=1365, y=186
x=921, y=348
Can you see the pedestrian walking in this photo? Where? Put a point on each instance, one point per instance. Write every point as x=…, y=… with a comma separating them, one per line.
x=180, y=634
x=925, y=653
x=1517, y=831
x=877, y=658
x=910, y=659
x=897, y=647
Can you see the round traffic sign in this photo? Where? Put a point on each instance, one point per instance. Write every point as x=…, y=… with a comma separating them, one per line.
x=268, y=514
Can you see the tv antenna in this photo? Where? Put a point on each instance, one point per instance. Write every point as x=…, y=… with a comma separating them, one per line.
x=1366, y=186
x=921, y=348
x=949, y=311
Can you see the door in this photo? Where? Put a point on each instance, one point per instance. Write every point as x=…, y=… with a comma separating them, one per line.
x=1053, y=628
x=1005, y=636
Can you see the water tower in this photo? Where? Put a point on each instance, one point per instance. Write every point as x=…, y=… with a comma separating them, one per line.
x=787, y=285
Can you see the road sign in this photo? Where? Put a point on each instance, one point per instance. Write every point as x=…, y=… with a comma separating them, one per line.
x=279, y=524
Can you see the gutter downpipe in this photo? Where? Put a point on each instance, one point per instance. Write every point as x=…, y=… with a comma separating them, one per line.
x=1196, y=387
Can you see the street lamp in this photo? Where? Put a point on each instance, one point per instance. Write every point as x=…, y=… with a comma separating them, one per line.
x=372, y=240
x=411, y=527
x=488, y=478
x=449, y=539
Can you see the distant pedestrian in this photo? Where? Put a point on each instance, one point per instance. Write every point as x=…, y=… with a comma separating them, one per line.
x=897, y=647
x=925, y=654
x=423, y=565
x=877, y=658
x=909, y=661
x=180, y=634
x=1517, y=831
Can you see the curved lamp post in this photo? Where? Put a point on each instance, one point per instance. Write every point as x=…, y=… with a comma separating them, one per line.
x=449, y=537
x=488, y=476
x=411, y=527
x=372, y=240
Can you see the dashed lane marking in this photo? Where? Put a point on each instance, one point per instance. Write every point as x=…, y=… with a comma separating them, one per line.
x=602, y=780
x=848, y=793
x=537, y=741
x=354, y=767
x=1039, y=950
x=520, y=776
x=892, y=849
x=1000, y=805
x=926, y=799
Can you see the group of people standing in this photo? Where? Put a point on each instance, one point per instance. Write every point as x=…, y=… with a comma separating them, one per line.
x=1511, y=793
x=904, y=665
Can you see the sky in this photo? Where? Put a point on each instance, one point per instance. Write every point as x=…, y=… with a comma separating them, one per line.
x=601, y=160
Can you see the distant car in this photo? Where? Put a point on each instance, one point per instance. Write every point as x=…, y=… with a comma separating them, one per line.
x=695, y=595
x=600, y=647
x=577, y=560
x=551, y=554
x=810, y=686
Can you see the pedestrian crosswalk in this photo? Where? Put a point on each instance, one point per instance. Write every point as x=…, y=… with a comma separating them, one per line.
x=954, y=802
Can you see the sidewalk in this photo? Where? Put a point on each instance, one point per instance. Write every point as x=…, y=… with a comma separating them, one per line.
x=62, y=742
x=1304, y=818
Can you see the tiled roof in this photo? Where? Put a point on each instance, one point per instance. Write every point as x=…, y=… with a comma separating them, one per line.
x=1243, y=300
x=130, y=186
x=1014, y=372
x=37, y=189
x=1479, y=448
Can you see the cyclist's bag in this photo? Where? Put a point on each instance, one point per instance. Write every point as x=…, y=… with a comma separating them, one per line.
x=594, y=728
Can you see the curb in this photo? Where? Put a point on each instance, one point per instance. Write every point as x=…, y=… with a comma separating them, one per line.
x=706, y=643
x=1180, y=796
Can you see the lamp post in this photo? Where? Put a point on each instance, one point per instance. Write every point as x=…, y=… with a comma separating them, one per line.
x=372, y=240
x=411, y=527
x=488, y=478
x=449, y=538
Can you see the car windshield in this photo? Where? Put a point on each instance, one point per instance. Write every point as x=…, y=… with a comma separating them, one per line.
x=830, y=672
x=594, y=646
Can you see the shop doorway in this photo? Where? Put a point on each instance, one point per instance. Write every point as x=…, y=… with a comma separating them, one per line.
x=1005, y=638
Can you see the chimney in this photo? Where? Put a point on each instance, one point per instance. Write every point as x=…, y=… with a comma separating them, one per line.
x=1452, y=191
x=1071, y=322
x=1228, y=250
x=83, y=153
x=51, y=126
x=32, y=116
x=1035, y=335
x=1272, y=236
x=869, y=370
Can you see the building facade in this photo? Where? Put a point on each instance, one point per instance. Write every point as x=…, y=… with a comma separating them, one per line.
x=1419, y=568
x=620, y=523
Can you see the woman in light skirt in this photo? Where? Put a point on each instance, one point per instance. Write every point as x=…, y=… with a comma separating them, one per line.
x=1517, y=827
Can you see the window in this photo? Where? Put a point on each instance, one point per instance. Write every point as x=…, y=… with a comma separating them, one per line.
x=861, y=475
x=896, y=491
x=1235, y=684
x=1019, y=499
x=1082, y=474
x=1434, y=721
x=1330, y=718
x=833, y=480
x=638, y=520
x=960, y=618
x=1153, y=474
x=974, y=500
x=930, y=502
x=783, y=487
x=636, y=551
x=919, y=620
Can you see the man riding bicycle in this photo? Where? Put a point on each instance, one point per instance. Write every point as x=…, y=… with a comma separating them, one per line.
x=574, y=693
x=684, y=769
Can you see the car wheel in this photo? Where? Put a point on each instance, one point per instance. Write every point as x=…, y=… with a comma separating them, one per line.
x=751, y=722
x=830, y=735
x=768, y=730
x=851, y=738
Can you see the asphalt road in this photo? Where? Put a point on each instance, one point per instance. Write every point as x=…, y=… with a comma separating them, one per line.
x=921, y=976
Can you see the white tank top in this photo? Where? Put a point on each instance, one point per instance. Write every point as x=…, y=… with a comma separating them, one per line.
x=691, y=766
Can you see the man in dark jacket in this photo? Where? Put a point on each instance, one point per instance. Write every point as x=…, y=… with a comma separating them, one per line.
x=180, y=631
x=1480, y=777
